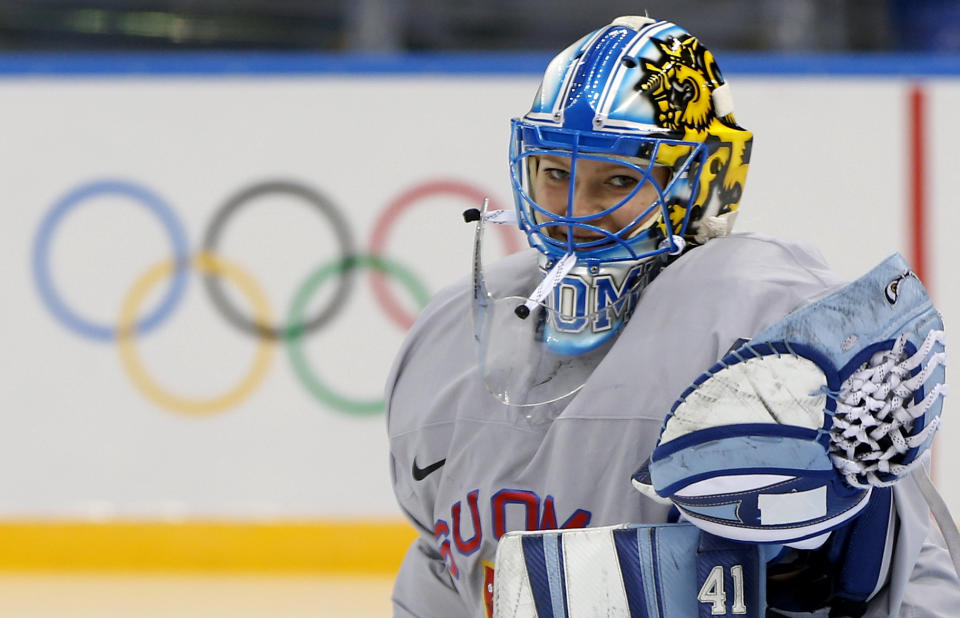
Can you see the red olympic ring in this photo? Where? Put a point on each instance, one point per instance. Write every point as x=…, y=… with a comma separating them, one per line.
x=378, y=239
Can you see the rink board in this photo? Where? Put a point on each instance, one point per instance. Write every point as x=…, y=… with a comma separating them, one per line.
x=116, y=165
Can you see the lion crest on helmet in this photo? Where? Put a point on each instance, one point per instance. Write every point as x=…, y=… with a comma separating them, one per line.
x=681, y=83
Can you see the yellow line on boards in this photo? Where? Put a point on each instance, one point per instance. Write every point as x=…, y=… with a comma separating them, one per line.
x=325, y=546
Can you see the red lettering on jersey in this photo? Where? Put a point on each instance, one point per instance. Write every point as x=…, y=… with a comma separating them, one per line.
x=470, y=546
x=533, y=519
x=548, y=521
x=442, y=530
x=513, y=496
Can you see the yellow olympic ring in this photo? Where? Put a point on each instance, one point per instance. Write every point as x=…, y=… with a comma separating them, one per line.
x=208, y=263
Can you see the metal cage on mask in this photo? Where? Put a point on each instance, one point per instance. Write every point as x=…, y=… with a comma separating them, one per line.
x=591, y=285
x=640, y=153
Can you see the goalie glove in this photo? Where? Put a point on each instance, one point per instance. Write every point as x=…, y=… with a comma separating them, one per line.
x=784, y=439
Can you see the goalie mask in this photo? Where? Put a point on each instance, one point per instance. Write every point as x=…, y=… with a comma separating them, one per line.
x=629, y=154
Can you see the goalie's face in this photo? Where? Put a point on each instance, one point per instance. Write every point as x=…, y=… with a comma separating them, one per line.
x=595, y=199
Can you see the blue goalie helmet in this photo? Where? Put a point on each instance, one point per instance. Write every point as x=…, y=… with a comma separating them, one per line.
x=629, y=154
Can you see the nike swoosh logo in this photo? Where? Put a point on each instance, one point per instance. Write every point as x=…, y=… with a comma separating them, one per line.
x=421, y=473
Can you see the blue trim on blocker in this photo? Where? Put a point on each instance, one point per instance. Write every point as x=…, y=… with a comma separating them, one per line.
x=645, y=541
x=553, y=557
x=187, y=63
x=655, y=556
x=563, y=573
x=628, y=556
x=537, y=572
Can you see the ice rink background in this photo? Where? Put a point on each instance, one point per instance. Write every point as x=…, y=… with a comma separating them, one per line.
x=398, y=155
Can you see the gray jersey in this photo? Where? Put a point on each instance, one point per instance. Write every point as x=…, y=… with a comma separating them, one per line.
x=467, y=468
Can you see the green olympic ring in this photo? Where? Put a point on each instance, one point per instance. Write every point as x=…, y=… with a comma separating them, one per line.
x=298, y=358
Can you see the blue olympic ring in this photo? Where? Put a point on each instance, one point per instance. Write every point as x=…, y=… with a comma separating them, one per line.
x=41, y=254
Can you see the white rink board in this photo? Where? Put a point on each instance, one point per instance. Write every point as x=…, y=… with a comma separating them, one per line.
x=827, y=168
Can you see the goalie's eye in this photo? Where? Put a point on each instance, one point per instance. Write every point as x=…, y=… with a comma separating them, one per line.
x=622, y=181
x=556, y=174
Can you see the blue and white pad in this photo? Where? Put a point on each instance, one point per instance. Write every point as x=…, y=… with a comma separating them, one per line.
x=646, y=571
x=784, y=438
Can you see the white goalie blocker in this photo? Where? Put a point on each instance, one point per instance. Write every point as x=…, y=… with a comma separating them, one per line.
x=782, y=442
x=658, y=570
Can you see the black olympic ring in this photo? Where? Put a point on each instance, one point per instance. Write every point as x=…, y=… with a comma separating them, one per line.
x=346, y=251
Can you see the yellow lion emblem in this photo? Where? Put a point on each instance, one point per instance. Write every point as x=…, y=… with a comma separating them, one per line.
x=681, y=85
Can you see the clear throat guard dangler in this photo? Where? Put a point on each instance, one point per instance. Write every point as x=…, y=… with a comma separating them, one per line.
x=540, y=348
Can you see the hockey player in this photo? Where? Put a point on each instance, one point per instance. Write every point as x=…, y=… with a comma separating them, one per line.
x=627, y=173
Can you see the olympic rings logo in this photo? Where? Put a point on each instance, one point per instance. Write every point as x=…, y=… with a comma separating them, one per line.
x=133, y=323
